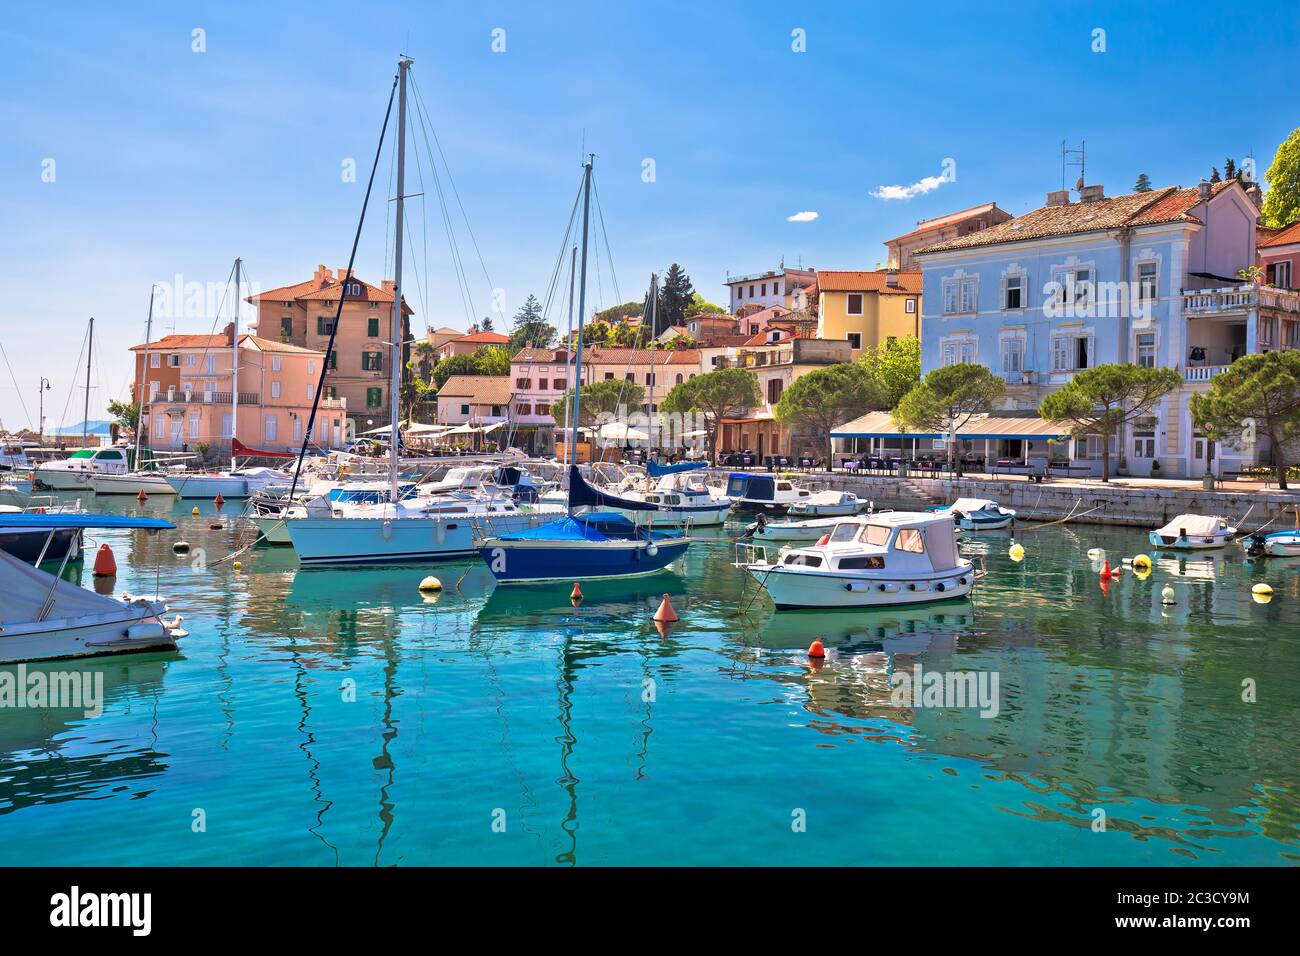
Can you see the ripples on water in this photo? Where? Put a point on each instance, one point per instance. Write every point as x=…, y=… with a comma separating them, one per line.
x=337, y=717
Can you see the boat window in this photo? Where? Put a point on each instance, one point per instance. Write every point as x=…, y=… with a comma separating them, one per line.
x=910, y=539
x=110, y=455
x=873, y=561
x=736, y=486
x=784, y=486
x=84, y=453
x=843, y=532
x=808, y=560
x=874, y=534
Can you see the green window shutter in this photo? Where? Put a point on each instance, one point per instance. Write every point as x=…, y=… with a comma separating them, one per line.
x=334, y=360
x=372, y=328
x=286, y=326
x=320, y=325
x=374, y=397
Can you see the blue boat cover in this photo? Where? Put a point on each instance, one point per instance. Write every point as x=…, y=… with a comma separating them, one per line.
x=656, y=470
x=589, y=527
x=582, y=494
x=28, y=519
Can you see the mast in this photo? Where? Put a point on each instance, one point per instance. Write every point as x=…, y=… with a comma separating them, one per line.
x=144, y=378
x=395, y=375
x=234, y=369
x=582, y=307
x=85, y=414
x=573, y=272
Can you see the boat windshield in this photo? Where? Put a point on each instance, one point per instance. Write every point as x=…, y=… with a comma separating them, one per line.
x=875, y=535
x=843, y=532
x=84, y=453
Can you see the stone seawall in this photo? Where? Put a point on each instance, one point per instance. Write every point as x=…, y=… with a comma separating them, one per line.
x=1141, y=507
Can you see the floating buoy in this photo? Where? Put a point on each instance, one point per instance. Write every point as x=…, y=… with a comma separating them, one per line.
x=237, y=565
x=651, y=549
x=1142, y=573
x=181, y=547
x=666, y=614
x=576, y=593
x=215, y=526
x=1167, y=595
x=1105, y=572
x=218, y=500
x=1261, y=588
x=1096, y=554
x=105, y=564
x=431, y=584
x=664, y=627
x=1141, y=561
x=195, y=512
x=816, y=651
x=141, y=496
x=1016, y=552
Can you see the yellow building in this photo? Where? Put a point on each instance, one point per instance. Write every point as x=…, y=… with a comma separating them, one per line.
x=868, y=308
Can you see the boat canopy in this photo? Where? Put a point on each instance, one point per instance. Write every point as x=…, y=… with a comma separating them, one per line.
x=973, y=504
x=30, y=519
x=656, y=470
x=1193, y=525
x=25, y=589
x=582, y=494
x=589, y=527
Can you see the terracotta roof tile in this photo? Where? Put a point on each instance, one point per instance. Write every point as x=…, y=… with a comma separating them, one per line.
x=479, y=389
x=217, y=341
x=909, y=283
x=1286, y=237
x=487, y=338
x=938, y=222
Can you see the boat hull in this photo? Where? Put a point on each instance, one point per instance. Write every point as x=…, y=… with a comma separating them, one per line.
x=669, y=517
x=209, y=486
x=130, y=485
x=339, y=541
x=792, y=589
x=1196, y=542
x=63, y=479
x=26, y=545
x=273, y=530
x=532, y=561
x=56, y=640
x=986, y=524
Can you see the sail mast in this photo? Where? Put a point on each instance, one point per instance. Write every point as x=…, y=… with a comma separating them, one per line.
x=573, y=274
x=395, y=376
x=582, y=307
x=144, y=378
x=85, y=414
x=234, y=370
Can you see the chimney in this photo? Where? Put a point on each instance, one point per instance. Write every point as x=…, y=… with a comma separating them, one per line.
x=1091, y=193
x=1203, y=190
x=891, y=278
x=342, y=274
x=1059, y=197
x=390, y=285
x=229, y=333
x=322, y=277
x=1256, y=195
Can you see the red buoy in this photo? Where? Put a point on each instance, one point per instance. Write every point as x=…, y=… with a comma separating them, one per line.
x=665, y=614
x=823, y=540
x=218, y=500
x=105, y=565
x=576, y=594
x=1105, y=571
x=142, y=497
x=816, y=651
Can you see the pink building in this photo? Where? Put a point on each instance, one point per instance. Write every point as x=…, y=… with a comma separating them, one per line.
x=187, y=393
x=469, y=344
x=1279, y=255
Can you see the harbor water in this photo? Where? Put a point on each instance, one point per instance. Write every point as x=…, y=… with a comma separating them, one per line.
x=338, y=717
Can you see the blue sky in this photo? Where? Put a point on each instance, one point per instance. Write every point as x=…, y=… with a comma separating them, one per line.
x=169, y=161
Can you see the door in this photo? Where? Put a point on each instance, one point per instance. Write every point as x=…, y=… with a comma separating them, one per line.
x=1201, y=456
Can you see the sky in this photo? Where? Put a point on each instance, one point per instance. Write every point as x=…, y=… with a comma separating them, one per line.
x=137, y=150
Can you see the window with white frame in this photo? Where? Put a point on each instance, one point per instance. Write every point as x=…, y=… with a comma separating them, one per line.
x=155, y=360
x=275, y=363
x=960, y=294
x=275, y=389
x=191, y=360
x=1074, y=286
x=1148, y=281
x=953, y=351
x=272, y=427
x=1144, y=438
x=194, y=426
x=1013, y=354
x=853, y=304
x=1013, y=292
x=153, y=390
x=911, y=306
x=1145, y=349
x=1071, y=352
x=210, y=365
x=1282, y=274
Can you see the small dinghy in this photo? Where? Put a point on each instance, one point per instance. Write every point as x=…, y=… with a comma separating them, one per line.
x=825, y=504
x=978, y=514
x=1193, y=533
x=1276, y=544
x=763, y=530
x=900, y=557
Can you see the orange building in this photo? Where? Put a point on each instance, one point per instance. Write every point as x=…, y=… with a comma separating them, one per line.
x=187, y=393
x=303, y=315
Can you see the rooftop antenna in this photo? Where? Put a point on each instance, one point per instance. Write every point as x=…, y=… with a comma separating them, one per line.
x=1068, y=151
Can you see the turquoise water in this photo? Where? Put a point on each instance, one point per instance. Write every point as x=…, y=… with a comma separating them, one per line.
x=589, y=738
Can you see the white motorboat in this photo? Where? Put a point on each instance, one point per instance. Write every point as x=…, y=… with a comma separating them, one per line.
x=1276, y=544
x=782, y=532
x=898, y=557
x=826, y=504
x=74, y=472
x=131, y=483
x=681, y=499
x=770, y=493
x=1193, y=533
x=44, y=617
x=978, y=514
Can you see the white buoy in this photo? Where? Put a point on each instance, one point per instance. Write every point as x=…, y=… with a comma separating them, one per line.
x=431, y=584
x=1167, y=595
x=1096, y=554
x=1261, y=588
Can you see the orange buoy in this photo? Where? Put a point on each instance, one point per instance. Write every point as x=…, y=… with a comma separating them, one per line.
x=105, y=565
x=576, y=595
x=218, y=500
x=666, y=613
x=142, y=497
x=816, y=651
x=665, y=628
x=1105, y=570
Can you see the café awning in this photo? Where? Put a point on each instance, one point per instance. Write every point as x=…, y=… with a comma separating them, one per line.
x=993, y=427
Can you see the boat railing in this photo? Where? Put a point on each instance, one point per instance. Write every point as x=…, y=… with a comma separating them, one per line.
x=748, y=552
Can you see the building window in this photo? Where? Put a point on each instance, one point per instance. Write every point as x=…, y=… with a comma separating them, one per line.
x=853, y=306
x=1146, y=349
x=763, y=289
x=173, y=361
x=543, y=408
x=324, y=325
x=608, y=376
x=953, y=351
x=333, y=360
x=1282, y=274
x=855, y=340
x=329, y=391
x=523, y=409
x=751, y=292
x=297, y=428
x=372, y=361
x=272, y=427
x=650, y=379
x=1148, y=282
x=774, y=387
x=275, y=389
x=679, y=378
x=1074, y=287
x=210, y=366
x=275, y=363
x=1013, y=355
x=960, y=294
x=153, y=390
x=194, y=426
x=191, y=360
x=464, y=409
x=311, y=390
x=1071, y=352
x=1013, y=293
x=155, y=360
x=523, y=383
x=372, y=327
x=1144, y=438
x=911, y=306
x=374, y=398
x=286, y=326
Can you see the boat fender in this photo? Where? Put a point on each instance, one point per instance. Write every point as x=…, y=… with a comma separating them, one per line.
x=940, y=586
x=822, y=541
x=652, y=549
x=387, y=530
x=150, y=630
x=857, y=585
x=961, y=580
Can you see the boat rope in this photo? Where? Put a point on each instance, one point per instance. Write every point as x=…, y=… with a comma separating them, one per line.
x=1069, y=517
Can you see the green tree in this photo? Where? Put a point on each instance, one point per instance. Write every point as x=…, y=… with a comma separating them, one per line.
x=716, y=395
x=946, y=399
x=893, y=370
x=491, y=360
x=453, y=365
x=1214, y=175
x=1143, y=185
x=125, y=414
x=1282, y=201
x=606, y=395
x=821, y=400
x=423, y=359
x=675, y=295
x=1256, y=395
x=679, y=341
x=700, y=306
x=486, y=324
x=1229, y=168
x=531, y=326
x=1103, y=399
x=616, y=312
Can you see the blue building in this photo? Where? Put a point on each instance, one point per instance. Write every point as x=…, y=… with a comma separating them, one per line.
x=1149, y=278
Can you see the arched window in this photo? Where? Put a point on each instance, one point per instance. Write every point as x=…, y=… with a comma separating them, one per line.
x=679, y=378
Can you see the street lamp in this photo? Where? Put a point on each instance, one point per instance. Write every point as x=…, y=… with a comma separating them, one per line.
x=40, y=425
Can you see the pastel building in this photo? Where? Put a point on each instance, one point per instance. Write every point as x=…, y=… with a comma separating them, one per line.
x=1279, y=258
x=1149, y=278
x=470, y=343
x=869, y=308
x=900, y=249
x=187, y=397
x=774, y=287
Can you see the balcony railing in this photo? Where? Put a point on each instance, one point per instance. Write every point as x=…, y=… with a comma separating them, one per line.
x=1202, y=373
x=1237, y=299
x=177, y=397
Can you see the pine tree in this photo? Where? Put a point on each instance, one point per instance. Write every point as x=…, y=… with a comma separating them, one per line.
x=1214, y=176
x=486, y=324
x=530, y=326
x=674, y=296
x=1143, y=185
x=1229, y=168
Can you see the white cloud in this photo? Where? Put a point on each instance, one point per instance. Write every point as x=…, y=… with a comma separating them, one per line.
x=928, y=184
x=807, y=216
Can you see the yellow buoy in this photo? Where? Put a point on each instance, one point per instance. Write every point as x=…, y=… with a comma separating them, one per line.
x=1016, y=552
x=1142, y=561
x=237, y=565
x=195, y=512
x=1261, y=588
x=1141, y=573
x=431, y=584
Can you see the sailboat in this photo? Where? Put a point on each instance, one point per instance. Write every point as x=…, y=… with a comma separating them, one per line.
x=595, y=544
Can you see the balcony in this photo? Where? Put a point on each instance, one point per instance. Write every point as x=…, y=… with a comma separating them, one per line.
x=1239, y=299
x=177, y=397
x=1202, y=373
